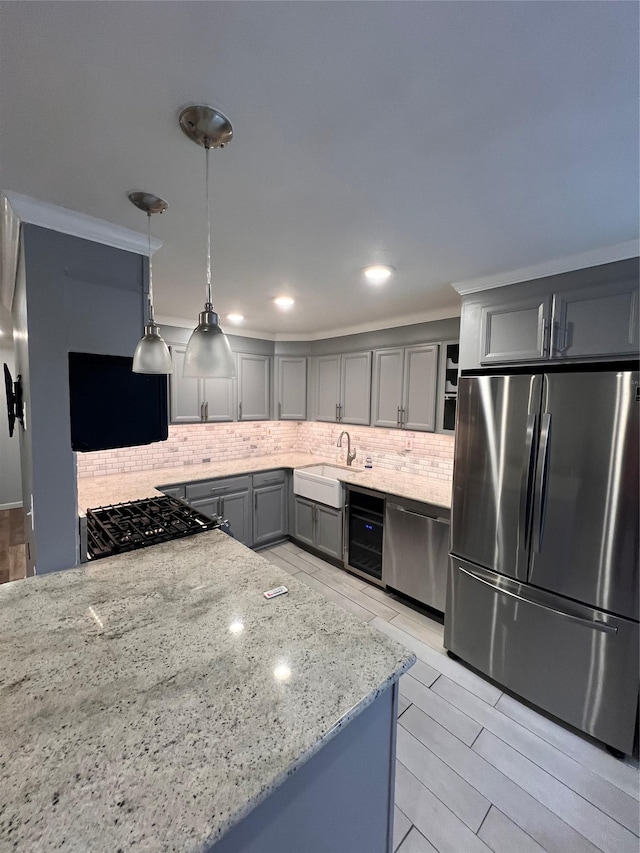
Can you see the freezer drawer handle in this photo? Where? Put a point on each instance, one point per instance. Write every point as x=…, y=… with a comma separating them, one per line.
x=418, y=514
x=588, y=623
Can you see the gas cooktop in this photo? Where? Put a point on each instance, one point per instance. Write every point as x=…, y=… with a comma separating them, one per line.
x=127, y=526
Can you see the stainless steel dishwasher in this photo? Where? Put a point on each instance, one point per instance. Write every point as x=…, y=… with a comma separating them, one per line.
x=415, y=552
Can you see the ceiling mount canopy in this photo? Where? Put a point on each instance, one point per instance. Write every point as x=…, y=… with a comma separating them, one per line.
x=152, y=354
x=208, y=352
x=205, y=126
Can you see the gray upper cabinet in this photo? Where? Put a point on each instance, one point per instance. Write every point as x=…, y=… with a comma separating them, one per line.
x=327, y=387
x=593, y=321
x=583, y=314
x=185, y=394
x=388, y=372
x=254, y=383
x=516, y=330
x=343, y=388
x=419, y=388
x=291, y=388
x=198, y=400
x=404, y=387
x=355, y=389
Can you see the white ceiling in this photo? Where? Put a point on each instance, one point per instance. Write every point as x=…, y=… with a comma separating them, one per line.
x=449, y=139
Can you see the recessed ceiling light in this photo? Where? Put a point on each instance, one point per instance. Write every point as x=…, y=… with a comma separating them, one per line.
x=235, y=318
x=284, y=301
x=378, y=273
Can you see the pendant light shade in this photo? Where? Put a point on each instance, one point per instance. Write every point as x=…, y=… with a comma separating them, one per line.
x=152, y=354
x=208, y=353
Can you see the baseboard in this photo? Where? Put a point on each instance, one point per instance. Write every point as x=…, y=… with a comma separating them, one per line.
x=16, y=505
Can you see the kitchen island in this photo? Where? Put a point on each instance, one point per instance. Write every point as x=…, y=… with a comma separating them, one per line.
x=156, y=701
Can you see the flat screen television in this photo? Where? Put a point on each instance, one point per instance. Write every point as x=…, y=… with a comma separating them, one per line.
x=113, y=407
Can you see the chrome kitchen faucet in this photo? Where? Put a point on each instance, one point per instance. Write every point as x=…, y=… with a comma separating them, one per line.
x=350, y=456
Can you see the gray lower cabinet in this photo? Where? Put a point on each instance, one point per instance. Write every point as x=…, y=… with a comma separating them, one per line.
x=254, y=387
x=291, y=388
x=228, y=497
x=319, y=526
x=270, y=492
x=404, y=387
x=198, y=400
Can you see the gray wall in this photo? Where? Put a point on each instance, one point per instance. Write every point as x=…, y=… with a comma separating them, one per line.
x=10, y=477
x=71, y=295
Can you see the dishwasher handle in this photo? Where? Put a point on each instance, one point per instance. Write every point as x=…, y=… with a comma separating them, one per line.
x=399, y=508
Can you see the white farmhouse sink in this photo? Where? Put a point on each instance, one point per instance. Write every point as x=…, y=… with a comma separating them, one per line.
x=320, y=483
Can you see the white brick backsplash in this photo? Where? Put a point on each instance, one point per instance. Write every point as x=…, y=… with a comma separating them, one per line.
x=190, y=444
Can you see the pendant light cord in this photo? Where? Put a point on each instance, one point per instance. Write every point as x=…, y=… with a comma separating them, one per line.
x=151, y=317
x=209, y=302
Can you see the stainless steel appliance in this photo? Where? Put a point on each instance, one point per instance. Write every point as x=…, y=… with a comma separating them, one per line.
x=543, y=578
x=365, y=514
x=127, y=526
x=415, y=552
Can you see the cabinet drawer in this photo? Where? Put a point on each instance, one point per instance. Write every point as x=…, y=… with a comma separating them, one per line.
x=268, y=478
x=207, y=488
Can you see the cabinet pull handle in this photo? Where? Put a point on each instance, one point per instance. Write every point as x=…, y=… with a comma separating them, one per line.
x=546, y=338
x=402, y=417
x=399, y=419
x=201, y=412
x=221, y=506
x=337, y=419
x=206, y=411
x=239, y=411
x=255, y=501
x=279, y=411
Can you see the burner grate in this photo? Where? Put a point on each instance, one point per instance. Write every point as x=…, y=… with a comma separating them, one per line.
x=124, y=527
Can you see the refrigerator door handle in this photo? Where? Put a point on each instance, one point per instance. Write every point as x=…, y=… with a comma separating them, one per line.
x=540, y=507
x=526, y=483
x=594, y=624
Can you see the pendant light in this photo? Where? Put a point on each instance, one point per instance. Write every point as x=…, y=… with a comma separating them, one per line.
x=208, y=352
x=152, y=354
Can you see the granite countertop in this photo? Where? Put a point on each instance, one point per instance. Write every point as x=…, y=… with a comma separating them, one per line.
x=134, y=718
x=117, y=488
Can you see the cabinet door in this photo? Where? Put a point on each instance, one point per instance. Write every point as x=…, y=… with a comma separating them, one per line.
x=596, y=320
x=269, y=513
x=207, y=506
x=253, y=387
x=218, y=399
x=328, y=533
x=236, y=510
x=291, y=388
x=387, y=387
x=420, y=381
x=355, y=397
x=516, y=331
x=327, y=387
x=303, y=520
x=186, y=394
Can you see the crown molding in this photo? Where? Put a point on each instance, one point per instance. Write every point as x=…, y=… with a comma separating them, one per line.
x=229, y=328
x=592, y=258
x=390, y=323
x=35, y=212
x=374, y=326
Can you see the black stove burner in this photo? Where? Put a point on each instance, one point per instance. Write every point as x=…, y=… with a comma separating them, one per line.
x=125, y=527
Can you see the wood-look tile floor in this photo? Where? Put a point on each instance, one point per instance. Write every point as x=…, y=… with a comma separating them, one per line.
x=13, y=563
x=476, y=769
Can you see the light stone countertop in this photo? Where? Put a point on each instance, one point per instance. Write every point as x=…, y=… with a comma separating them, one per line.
x=117, y=488
x=132, y=718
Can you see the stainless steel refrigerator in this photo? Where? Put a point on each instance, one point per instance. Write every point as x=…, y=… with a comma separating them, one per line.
x=542, y=593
